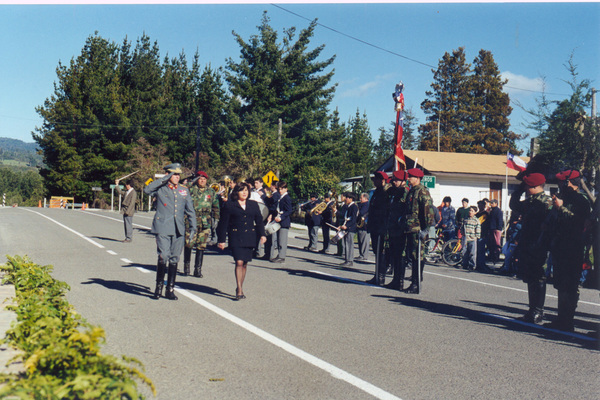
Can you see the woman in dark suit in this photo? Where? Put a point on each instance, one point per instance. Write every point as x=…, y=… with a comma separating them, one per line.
x=242, y=220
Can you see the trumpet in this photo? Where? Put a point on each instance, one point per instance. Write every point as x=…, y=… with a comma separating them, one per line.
x=319, y=208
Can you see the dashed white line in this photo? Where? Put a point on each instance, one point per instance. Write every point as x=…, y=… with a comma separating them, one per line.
x=315, y=361
x=67, y=228
x=111, y=252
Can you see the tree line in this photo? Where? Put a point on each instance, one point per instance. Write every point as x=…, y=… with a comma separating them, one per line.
x=121, y=108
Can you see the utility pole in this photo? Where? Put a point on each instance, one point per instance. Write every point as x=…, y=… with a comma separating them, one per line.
x=198, y=143
x=279, y=130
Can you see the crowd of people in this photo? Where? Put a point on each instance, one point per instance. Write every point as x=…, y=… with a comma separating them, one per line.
x=393, y=221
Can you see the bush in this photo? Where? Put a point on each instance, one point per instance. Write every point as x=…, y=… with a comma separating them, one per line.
x=59, y=349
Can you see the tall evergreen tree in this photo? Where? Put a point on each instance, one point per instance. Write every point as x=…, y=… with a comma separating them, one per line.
x=571, y=138
x=488, y=124
x=448, y=104
x=284, y=81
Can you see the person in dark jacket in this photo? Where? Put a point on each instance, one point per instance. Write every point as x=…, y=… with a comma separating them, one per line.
x=377, y=225
x=349, y=225
x=361, y=232
x=242, y=221
x=284, y=212
x=495, y=228
x=312, y=221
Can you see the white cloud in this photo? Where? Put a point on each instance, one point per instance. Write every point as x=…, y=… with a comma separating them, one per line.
x=519, y=84
x=366, y=88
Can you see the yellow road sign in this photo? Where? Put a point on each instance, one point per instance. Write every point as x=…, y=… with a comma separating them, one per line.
x=269, y=178
x=149, y=181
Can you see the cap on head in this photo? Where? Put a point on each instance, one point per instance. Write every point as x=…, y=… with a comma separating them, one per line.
x=399, y=176
x=568, y=174
x=202, y=173
x=535, y=179
x=381, y=175
x=415, y=172
x=174, y=168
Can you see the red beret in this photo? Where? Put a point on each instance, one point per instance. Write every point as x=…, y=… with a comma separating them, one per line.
x=535, y=179
x=381, y=175
x=202, y=173
x=416, y=172
x=568, y=174
x=399, y=175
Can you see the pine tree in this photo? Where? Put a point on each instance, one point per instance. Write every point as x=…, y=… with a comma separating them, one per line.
x=488, y=124
x=447, y=103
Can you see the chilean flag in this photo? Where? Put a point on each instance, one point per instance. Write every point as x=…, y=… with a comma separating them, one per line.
x=514, y=162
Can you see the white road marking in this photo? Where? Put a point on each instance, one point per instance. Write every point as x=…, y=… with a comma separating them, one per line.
x=67, y=228
x=114, y=219
x=126, y=261
x=516, y=321
x=111, y=252
x=317, y=362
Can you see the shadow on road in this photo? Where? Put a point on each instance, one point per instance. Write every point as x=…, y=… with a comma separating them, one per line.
x=126, y=287
x=504, y=322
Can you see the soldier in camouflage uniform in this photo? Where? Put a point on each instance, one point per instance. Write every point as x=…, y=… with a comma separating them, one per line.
x=419, y=217
x=572, y=210
x=531, y=250
x=206, y=205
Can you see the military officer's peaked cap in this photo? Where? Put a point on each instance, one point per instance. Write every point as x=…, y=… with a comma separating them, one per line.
x=416, y=172
x=535, y=179
x=381, y=175
x=568, y=174
x=399, y=175
x=174, y=168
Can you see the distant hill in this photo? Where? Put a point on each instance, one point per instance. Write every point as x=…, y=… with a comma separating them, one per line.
x=17, y=153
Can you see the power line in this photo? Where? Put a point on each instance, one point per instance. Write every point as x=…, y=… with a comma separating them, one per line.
x=393, y=52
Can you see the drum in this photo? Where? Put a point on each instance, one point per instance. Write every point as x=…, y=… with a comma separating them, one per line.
x=338, y=236
x=272, y=227
x=264, y=211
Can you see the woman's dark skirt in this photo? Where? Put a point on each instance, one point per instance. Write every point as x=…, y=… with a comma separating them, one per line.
x=242, y=253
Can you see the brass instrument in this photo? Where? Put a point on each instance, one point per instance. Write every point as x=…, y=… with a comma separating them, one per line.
x=216, y=187
x=360, y=222
x=322, y=206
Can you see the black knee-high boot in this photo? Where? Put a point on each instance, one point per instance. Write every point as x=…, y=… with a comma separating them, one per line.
x=198, y=263
x=170, y=294
x=187, y=257
x=160, y=279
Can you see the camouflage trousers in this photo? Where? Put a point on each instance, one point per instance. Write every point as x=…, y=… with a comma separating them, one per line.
x=412, y=254
x=200, y=239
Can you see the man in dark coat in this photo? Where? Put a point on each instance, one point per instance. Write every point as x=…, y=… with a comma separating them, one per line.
x=312, y=221
x=173, y=202
x=377, y=225
x=495, y=228
x=283, y=217
x=395, y=224
x=572, y=209
x=326, y=222
x=531, y=251
x=349, y=225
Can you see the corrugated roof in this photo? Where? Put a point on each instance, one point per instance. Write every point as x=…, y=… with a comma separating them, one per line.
x=462, y=163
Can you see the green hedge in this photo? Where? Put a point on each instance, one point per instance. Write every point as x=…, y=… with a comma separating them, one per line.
x=59, y=349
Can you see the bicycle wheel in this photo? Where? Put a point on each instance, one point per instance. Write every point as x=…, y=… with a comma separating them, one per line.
x=431, y=252
x=452, y=252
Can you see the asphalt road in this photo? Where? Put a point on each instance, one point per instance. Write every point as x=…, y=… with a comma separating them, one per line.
x=308, y=328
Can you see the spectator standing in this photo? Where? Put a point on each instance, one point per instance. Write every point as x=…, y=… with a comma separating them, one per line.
x=472, y=229
x=284, y=212
x=495, y=228
x=462, y=213
x=127, y=207
x=483, y=216
x=448, y=219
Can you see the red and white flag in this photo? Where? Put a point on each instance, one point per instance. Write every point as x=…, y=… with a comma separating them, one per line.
x=514, y=162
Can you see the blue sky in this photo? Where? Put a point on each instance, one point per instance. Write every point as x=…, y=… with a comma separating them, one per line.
x=528, y=40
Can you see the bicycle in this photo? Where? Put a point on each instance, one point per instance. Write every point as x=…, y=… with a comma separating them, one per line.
x=433, y=247
x=452, y=252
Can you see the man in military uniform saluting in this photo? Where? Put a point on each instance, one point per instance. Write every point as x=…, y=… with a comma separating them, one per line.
x=173, y=202
x=206, y=205
x=572, y=209
x=419, y=217
x=531, y=250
